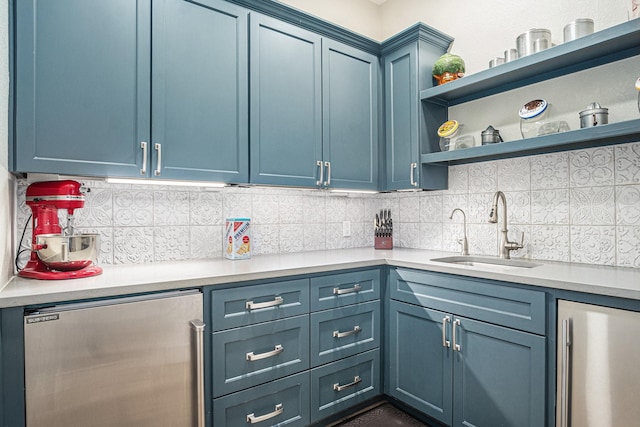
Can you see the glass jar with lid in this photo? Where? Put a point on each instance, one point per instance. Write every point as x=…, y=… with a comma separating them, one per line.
x=536, y=120
x=447, y=132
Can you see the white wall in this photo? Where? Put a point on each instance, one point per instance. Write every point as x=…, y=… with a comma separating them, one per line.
x=360, y=16
x=6, y=182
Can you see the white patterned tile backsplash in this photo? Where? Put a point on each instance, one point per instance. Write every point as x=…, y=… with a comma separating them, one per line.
x=581, y=206
x=593, y=245
x=550, y=171
x=627, y=163
x=593, y=166
x=628, y=204
x=592, y=206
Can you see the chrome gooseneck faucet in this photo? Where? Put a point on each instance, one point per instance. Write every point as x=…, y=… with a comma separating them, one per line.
x=463, y=242
x=505, y=245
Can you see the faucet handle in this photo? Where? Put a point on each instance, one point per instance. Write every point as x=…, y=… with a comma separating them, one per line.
x=521, y=244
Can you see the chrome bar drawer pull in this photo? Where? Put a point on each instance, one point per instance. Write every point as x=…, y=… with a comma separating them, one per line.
x=158, y=170
x=456, y=346
x=276, y=350
x=252, y=419
x=321, y=173
x=413, y=182
x=143, y=145
x=328, y=181
x=198, y=328
x=356, y=288
x=445, y=342
x=338, y=387
x=355, y=330
x=256, y=305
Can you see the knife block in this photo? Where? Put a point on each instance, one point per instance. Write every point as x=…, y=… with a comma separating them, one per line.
x=383, y=242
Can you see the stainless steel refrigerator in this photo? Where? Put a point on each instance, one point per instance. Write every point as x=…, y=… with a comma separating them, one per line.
x=598, y=372
x=121, y=362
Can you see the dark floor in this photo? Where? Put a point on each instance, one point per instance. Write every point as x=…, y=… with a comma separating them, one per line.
x=384, y=415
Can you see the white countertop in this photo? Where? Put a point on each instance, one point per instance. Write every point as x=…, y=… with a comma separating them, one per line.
x=129, y=279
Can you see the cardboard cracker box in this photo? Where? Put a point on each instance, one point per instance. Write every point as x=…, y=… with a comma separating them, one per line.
x=237, y=238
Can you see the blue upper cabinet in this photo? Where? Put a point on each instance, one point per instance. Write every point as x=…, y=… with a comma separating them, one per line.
x=200, y=91
x=314, y=108
x=82, y=86
x=408, y=59
x=350, y=117
x=84, y=99
x=286, y=103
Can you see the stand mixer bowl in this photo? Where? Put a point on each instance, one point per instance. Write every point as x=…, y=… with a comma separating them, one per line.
x=67, y=253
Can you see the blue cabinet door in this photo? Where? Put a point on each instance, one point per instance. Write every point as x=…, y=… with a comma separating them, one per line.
x=200, y=91
x=499, y=376
x=401, y=116
x=350, y=116
x=420, y=366
x=286, y=103
x=82, y=86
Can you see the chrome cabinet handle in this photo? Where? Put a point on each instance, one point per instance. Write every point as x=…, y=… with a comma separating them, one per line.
x=564, y=375
x=414, y=166
x=252, y=419
x=143, y=145
x=355, y=330
x=445, y=320
x=356, y=288
x=198, y=327
x=456, y=346
x=338, y=387
x=158, y=170
x=328, y=181
x=320, y=173
x=276, y=350
x=256, y=305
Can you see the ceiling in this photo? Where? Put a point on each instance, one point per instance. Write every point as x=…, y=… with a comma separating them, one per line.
x=378, y=2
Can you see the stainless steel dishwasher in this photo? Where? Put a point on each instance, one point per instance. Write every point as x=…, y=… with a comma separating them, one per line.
x=135, y=361
x=598, y=376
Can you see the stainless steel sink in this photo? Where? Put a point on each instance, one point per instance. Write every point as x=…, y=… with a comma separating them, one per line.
x=487, y=262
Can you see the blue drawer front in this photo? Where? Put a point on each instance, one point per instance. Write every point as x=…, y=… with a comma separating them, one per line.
x=338, y=290
x=276, y=348
x=345, y=331
x=281, y=402
x=241, y=306
x=347, y=382
x=479, y=299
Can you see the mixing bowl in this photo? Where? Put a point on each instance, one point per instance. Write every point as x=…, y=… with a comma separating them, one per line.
x=67, y=253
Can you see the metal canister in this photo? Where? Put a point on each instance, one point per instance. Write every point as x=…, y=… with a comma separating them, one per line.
x=594, y=115
x=490, y=136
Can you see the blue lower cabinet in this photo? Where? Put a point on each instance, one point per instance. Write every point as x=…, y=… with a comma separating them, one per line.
x=278, y=403
x=345, y=331
x=420, y=366
x=342, y=289
x=464, y=372
x=499, y=376
x=245, y=357
x=342, y=384
x=246, y=305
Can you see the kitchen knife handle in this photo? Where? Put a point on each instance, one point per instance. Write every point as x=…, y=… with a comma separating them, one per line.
x=564, y=374
x=159, y=163
x=144, y=145
x=445, y=342
x=252, y=419
x=328, y=181
x=320, y=173
x=412, y=175
x=198, y=327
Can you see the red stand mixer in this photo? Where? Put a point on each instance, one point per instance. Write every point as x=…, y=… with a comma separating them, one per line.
x=58, y=253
